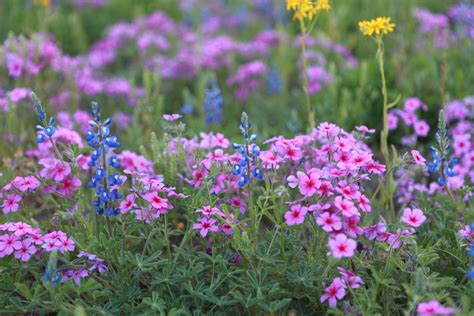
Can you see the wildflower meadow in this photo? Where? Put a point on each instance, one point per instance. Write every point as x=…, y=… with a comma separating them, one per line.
x=251, y=157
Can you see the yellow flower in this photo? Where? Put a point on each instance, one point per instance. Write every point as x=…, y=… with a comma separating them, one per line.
x=307, y=9
x=43, y=3
x=379, y=26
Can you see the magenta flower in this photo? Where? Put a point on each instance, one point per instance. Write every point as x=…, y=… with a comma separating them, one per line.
x=309, y=184
x=336, y=291
x=433, y=308
x=49, y=244
x=341, y=246
x=208, y=210
x=418, y=158
x=414, y=217
x=329, y=222
x=156, y=201
x=364, y=129
x=11, y=203
x=205, y=225
x=296, y=215
x=25, y=252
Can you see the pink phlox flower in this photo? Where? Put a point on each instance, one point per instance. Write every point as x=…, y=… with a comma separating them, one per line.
x=127, y=204
x=336, y=291
x=296, y=215
x=171, y=117
x=329, y=222
x=346, y=207
x=11, y=203
x=25, y=252
x=341, y=246
x=413, y=217
x=205, y=225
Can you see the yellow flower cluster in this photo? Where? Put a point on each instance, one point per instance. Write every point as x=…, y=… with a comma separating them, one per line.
x=307, y=9
x=378, y=26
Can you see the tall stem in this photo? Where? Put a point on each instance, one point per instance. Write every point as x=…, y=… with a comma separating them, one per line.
x=309, y=108
x=384, y=135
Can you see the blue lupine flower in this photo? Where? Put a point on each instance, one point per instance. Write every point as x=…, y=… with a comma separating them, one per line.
x=249, y=152
x=101, y=141
x=273, y=81
x=46, y=128
x=213, y=104
x=440, y=163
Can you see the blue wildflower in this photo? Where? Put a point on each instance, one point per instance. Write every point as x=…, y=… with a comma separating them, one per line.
x=249, y=152
x=273, y=81
x=102, y=143
x=45, y=128
x=440, y=163
x=213, y=104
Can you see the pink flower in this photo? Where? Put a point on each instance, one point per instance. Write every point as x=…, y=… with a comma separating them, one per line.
x=421, y=128
x=127, y=204
x=341, y=246
x=11, y=203
x=68, y=185
x=365, y=129
x=25, y=252
x=27, y=183
x=8, y=243
x=392, y=121
x=433, y=308
x=205, y=225
x=347, y=207
x=54, y=169
x=21, y=229
x=270, y=159
x=171, y=117
x=296, y=215
x=329, y=222
x=349, y=278
x=50, y=244
x=418, y=158
x=156, y=201
x=336, y=291
x=19, y=94
x=66, y=244
x=208, y=210
x=309, y=184
x=412, y=104
x=413, y=217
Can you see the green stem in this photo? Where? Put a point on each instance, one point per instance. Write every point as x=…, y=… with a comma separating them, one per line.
x=309, y=108
x=384, y=135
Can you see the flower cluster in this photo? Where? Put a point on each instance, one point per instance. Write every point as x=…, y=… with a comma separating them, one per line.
x=410, y=118
x=379, y=26
x=85, y=264
x=307, y=9
x=23, y=241
x=245, y=166
x=248, y=78
x=433, y=308
x=106, y=185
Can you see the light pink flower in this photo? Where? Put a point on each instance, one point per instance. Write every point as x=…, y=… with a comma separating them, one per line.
x=172, y=117
x=413, y=217
x=8, y=243
x=295, y=215
x=127, y=204
x=421, y=128
x=336, y=291
x=418, y=158
x=341, y=246
x=433, y=308
x=66, y=244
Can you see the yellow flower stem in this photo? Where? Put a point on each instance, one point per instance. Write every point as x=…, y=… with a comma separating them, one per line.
x=305, y=77
x=384, y=134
